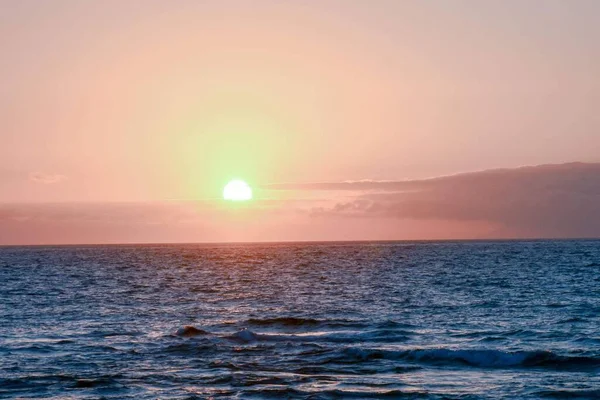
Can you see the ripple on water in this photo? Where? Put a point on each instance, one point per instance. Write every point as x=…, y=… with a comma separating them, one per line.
x=438, y=320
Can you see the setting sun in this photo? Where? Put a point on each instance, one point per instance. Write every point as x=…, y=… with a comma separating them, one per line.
x=237, y=190
x=313, y=199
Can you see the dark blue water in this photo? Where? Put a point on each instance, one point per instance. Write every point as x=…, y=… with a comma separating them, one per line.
x=448, y=320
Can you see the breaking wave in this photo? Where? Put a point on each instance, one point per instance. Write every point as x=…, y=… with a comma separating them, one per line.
x=477, y=358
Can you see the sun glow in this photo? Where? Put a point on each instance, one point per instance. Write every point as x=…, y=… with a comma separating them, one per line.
x=237, y=190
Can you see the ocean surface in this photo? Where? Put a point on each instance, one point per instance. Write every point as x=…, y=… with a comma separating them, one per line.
x=423, y=320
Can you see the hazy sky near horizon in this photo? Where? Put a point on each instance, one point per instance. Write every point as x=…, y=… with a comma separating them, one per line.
x=153, y=101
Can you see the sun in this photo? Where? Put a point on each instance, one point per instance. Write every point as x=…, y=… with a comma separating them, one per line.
x=237, y=190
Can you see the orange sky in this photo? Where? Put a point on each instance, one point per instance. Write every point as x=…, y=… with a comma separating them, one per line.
x=153, y=102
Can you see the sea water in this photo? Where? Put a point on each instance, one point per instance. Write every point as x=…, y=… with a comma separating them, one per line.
x=447, y=320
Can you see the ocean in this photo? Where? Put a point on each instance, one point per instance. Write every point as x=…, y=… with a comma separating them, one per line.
x=424, y=320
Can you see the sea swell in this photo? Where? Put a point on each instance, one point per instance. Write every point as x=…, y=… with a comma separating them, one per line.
x=485, y=358
x=336, y=348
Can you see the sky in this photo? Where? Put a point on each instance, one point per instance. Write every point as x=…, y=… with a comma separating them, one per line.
x=121, y=121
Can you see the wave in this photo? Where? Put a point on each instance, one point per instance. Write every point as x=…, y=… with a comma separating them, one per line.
x=245, y=335
x=570, y=394
x=379, y=336
x=107, y=334
x=342, y=336
x=313, y=322
x=32, y=382
x=297, y=322
x=190, y=348
x=91, y=382
x=485, y=358
x=477, y=358
x=190, y=331
x=571, y=320
x=288, y=393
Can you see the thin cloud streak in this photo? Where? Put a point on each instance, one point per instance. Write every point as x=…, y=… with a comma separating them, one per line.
x=46, y=179
x=503, y=174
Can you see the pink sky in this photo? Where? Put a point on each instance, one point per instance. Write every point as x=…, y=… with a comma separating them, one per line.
x=121, y=121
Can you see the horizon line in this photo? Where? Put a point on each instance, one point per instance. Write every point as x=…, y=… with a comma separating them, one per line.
x=308, y=242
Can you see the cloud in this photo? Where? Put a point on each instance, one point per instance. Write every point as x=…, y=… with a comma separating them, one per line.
x=148, y=222
x=364, y=184
x=46, y=179
x=541, y=201
x=547, y=200
x=42, y=223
